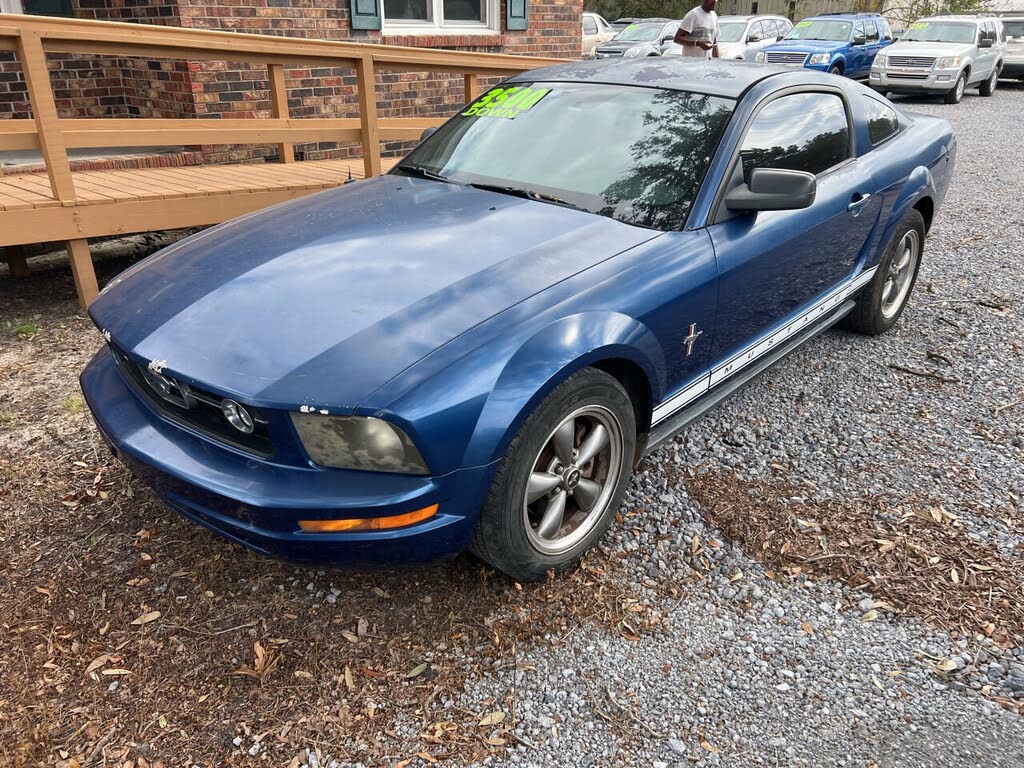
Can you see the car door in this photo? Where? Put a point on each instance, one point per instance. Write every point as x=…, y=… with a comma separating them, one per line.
x=756, y=37
x=604, y=30
x=774, y=265
x=857, y=54
x=871, y=47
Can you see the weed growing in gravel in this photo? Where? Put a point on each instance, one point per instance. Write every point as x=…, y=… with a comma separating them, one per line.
x=23, y=329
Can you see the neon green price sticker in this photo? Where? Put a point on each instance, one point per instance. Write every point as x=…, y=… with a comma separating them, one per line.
x=919, y=25
x=506, y=103
x=802, y=24
x=631, y=26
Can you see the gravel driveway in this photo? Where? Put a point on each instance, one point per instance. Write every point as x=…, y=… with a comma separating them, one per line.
x=136, y=636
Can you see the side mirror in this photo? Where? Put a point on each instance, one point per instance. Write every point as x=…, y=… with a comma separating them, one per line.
x=859, y=40
x=427, y=133
x=755, y=38
x=985, y=42
x=773, y=189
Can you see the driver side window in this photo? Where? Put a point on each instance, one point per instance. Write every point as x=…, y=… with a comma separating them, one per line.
x=858, y=30
x=801, y=132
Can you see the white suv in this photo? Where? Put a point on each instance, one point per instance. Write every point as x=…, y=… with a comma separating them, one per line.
x=1013, y=57
x=942, y=55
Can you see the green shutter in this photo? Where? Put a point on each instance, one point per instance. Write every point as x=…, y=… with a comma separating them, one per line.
x=515, y=14
x=365, y=14
x=48, y=7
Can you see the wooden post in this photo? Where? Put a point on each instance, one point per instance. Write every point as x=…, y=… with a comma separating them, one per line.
x=81, y=268
x=279, y=107
x=55, y=154
x=44, y=110
x=366, y=83
x=470, y=87
x=16, y=263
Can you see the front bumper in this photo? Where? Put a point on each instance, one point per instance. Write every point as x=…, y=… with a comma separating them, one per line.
x=258, y=503
x=914, y=80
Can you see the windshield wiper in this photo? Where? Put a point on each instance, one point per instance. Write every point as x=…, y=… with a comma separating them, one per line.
x=529, y=194
x=421, y=172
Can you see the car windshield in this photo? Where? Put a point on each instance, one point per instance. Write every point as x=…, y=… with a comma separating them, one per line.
x=639, y=33
x=940, y=32
x=820, y=29
x=636, y=155
x=731, y=31
x=1014, y=29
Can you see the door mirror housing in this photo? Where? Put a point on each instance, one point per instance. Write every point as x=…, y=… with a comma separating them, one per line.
x=985, y=42
x=859, y=40
x=427, y=133
x=755, y=38
x=773, y=189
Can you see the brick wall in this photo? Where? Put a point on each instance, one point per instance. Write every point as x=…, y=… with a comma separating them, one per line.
x=97, y=86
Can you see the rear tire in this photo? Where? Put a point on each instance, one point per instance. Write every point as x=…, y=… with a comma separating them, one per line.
x=989, y=86
x=546, y=507
x=882, y=302
x=956, y=93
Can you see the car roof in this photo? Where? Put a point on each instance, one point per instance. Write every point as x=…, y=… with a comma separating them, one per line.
x=741, y=17
x=714, y=77
x=948, y=17
x=843, y=16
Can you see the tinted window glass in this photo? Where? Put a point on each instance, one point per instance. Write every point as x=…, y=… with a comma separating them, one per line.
x=882, y=121
x=637, y=155
x=803, y=132
x=870, y=31
x=589, y=26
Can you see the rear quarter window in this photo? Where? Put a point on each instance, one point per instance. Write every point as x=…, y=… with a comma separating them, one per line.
x=883, y=122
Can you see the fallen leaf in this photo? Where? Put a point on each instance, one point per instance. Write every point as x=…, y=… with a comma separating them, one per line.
x=806, y=627
x=350, y=636
x=303, y=674
x=493, y=718
x=416, y=671
x=954, y=576
x=426, y=756
x=349, y=682
x=98, y=662
x=869, y=615
x=146, y=618
x=710, y=747
x=116, y=672
x=946, y=665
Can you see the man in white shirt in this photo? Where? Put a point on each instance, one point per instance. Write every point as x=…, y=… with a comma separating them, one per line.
x=698, y=31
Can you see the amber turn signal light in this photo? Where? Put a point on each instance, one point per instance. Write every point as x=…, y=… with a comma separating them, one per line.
x=368, y=523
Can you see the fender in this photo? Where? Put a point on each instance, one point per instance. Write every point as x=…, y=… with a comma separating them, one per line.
x=547, y=359
x=919, y=184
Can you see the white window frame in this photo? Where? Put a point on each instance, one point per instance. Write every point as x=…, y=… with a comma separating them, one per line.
x=491, y=24
x=11, y=6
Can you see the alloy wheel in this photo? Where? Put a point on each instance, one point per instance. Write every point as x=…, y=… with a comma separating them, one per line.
x=900, y=273
x=961, y=84
x=573, y=480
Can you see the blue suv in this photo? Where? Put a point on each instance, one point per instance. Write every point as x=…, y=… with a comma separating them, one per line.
x=842, y=43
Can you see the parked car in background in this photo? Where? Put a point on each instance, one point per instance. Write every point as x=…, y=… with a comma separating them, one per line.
x=741, y=37
x=644, y=39
x=841, y=43
x=943, y=56
x=1013, y=54
x=620, y=24
x=595, y=31
x=483, y=348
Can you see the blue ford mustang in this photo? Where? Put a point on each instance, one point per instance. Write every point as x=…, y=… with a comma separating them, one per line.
x=476, y=348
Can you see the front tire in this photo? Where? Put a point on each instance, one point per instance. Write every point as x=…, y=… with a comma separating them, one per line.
x=564, y=474
x=989, y=86
x=956, y=93
x=882, y=302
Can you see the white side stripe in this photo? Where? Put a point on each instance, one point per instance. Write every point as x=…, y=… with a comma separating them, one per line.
x=755, y=350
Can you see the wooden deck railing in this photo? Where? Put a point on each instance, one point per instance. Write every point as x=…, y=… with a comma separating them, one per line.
x=31, y=38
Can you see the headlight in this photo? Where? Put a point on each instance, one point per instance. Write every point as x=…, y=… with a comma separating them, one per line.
x=759, y=56
x=820, y=58
x=948, y=62
x=354, y=442
x=880, y=60
x=631, y=52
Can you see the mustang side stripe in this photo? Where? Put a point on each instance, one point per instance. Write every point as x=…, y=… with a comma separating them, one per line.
x=753, y=351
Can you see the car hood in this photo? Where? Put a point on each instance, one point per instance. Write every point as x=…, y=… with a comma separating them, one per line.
x=324, y=299
x=619, y=46
x=812, y=46
x=928, y=49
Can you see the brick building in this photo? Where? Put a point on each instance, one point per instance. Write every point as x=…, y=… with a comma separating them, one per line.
x=99, y=86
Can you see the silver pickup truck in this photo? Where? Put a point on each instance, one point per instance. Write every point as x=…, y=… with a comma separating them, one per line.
x=942, y=55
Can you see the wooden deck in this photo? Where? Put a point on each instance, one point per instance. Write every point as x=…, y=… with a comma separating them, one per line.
x=74, y=206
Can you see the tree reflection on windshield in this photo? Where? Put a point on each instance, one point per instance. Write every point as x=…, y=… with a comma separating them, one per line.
x=670, y=160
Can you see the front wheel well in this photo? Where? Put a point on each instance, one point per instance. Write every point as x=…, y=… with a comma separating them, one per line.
x=927, y=210
x=632, y=377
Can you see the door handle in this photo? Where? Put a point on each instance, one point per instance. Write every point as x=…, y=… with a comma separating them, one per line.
x=858, y=204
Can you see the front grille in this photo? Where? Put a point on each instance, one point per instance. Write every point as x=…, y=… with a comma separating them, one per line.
x=904, y=76
x=927, y=62
x=195, y=408
x=608, y=54
x=782, y=57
